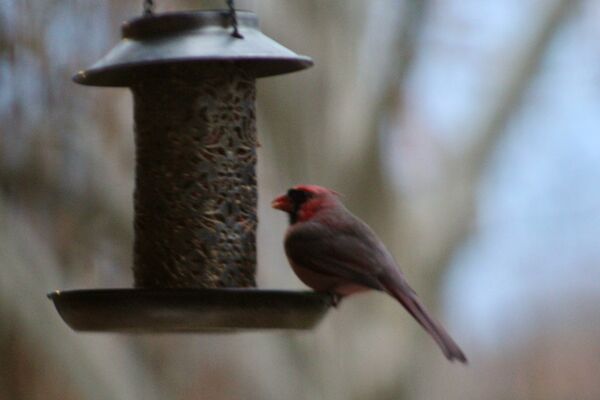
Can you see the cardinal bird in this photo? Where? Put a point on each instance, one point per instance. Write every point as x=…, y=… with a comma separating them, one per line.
x=333, y=251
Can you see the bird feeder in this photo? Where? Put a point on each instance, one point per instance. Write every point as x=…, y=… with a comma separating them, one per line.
x=192, y=75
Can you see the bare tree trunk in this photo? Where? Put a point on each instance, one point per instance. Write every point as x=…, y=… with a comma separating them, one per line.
x=101, y=368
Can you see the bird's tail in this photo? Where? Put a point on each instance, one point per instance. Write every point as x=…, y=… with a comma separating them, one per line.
x=399, y=289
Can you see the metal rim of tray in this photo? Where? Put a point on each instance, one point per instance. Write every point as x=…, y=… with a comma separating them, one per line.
x=189, y=310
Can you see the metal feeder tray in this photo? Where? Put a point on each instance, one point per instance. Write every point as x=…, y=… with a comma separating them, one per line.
x=189, y=310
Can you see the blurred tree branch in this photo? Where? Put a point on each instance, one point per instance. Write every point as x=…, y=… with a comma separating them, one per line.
x=448, y=218
x=99, y=369
x=464, y=172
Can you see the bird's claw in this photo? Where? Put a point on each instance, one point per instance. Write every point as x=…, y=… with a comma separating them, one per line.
x=335, y=299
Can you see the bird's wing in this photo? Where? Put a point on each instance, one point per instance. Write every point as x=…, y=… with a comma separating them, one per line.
x=348, y=254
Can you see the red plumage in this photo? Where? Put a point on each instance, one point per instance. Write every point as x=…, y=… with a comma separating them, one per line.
x=333, y=251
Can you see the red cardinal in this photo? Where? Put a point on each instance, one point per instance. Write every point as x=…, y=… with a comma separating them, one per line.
x=333, y=251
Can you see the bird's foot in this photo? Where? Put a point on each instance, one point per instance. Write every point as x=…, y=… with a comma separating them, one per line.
x=335, y=299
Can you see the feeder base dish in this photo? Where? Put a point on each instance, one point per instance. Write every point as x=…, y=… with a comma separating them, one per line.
x=189, y=310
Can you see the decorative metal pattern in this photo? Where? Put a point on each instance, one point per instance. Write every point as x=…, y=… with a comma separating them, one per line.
x=195, y=198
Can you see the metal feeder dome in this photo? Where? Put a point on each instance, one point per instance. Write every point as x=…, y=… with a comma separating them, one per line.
x=193, y=86
x=155, y=41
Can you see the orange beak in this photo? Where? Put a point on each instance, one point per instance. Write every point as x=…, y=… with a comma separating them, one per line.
x=282, y=203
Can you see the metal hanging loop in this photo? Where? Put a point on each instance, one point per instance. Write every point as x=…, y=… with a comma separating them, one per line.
x=148, y=7
x=233, y=18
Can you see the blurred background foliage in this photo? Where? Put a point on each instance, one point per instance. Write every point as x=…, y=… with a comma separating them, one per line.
x=465, y=132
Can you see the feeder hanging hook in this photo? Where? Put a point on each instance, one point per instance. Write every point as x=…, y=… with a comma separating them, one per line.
x=233, y=18
x=148, y=7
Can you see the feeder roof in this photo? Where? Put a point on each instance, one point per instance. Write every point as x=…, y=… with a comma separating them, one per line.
x=194, y=37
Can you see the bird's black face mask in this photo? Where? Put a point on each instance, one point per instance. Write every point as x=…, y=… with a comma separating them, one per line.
x=297, y=198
